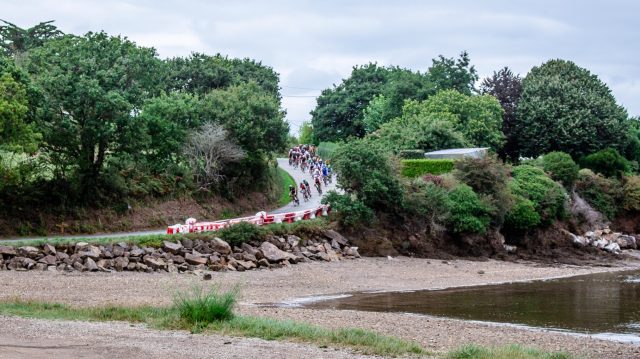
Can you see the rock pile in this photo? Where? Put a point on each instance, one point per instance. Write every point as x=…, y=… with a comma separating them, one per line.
x=180, y=256
x=605, y=239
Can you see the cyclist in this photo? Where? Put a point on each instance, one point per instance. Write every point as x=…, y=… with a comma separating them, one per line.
x=325, y=175
x=303, y=189
x=293, y=193
x=307, y=186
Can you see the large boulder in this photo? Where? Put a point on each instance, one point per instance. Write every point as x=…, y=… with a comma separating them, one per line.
x=48, y=259
x=121, y=263
x=49, y=249
x=273, y=254
x=195, y=259
x=627, y=242
x=90, y=265
x=92, y=252
x=331, y=234
x=220, y=246
x=154, y=263
x=7, y=251
x=612, y=247
x=172, y=247
x=28, y=251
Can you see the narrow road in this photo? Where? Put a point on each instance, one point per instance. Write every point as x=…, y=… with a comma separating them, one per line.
x=297, y=175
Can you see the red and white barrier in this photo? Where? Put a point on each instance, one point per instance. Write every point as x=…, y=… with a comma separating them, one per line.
x=259, y=219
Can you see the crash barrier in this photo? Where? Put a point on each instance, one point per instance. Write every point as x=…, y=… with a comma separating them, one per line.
x=259, y=219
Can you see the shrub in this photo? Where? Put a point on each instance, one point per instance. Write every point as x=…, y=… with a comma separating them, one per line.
x=522, y=216
x=600, y=192
x=435, y=179
x=415, y=168
x=469, y=214
x=327, y=149
x=366, y=173
x=429, y=201
x=547, y=196
x=607, y=162
x=200, y=308
x=350, y=211
x=240, y=233
x=561, y=167
x=631, y=193
x=487, y=176
x=411, y=154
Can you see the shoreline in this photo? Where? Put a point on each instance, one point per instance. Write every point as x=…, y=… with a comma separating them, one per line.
x=313, y=279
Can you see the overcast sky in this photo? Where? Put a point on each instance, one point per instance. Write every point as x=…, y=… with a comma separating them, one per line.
x=314, y=44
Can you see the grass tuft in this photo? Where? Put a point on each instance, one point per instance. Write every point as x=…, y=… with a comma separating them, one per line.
x=512, y=351
x=199, y=307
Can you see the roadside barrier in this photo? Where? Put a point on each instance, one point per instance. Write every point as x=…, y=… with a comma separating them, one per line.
x=259, y=219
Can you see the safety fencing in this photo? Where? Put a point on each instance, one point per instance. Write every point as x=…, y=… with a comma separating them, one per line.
x=259, y=219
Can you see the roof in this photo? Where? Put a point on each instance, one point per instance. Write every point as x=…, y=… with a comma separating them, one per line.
x=458, y=151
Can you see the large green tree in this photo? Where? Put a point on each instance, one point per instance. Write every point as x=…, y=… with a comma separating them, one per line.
x=453, y=74
x=567, y=108
x=16, y=134
x=16, y=41
x=94, y=85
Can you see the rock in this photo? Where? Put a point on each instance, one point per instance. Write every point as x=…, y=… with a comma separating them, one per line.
x=220, y=246
x=90, y=265
x=40, y=267
x=80, y=245
x=509, y=249
x=52, y=269
x=335, y=245
x=246, y=264
x=207, y=276
x=78, y=266
x=172, y=247
x=176, y=258
x=322, y=256
x=117, y=251
x=333, y=256
x=480, y=272
x=293, y=241
x=92, y=252
x=132, y=266
x=142, y=267
x=49, y=249
x=612, y=247
x=606, y=230
x=120, y=263
x=187, y=243
x=195, y=259
x=48, y=260
x=327, y=247
x=273, y=254
x=62, y=256
x=154, y=263
x=627, y=242
x=249, y=257
x=136, y=252
x=600, y=243
x=7, y=251
x=28, y=251
x=263, y=263
x=247, y=248
x=331, y=234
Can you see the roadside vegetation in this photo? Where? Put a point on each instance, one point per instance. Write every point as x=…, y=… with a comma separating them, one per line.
x=504, y=352
x=285, y=181
x=213, y=312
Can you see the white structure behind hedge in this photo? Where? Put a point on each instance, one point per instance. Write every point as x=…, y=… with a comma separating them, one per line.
x=455, y=153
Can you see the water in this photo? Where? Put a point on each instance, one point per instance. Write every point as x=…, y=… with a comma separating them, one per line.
x=606, y=304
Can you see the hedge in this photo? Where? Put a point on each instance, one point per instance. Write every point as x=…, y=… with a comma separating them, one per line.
x=415, y=168
x=411, y=154
x=326, y=149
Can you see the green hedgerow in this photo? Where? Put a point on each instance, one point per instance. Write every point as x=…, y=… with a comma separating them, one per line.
x=547, y=196
x=469, y=214
x=560, y=167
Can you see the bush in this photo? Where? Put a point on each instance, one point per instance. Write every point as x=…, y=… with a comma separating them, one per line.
x=411, y=154
x=327, y=149
x=561, y=167
x=631, y=193
x=415, y=168
x=201, y=308
x=522, y=216
x=607, y=162
x=428, y=200
x=350, y=212
x=240, y=233
x=600, y=192
x=366, y=173
x=547, y=196
x=469, y=214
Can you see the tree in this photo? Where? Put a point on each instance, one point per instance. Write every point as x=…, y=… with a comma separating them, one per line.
x=16, y=41
x=375, y=113
x=208, y=150
x=507, y=88
x=564, y=107
x=94, y=86
x=451, y=74
x=306, y=133
x=15, y=134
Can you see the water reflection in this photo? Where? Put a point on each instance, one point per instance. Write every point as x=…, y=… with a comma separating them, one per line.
x=596, y=303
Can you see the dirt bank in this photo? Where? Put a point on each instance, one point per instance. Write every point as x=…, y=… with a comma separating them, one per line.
x=308, y=279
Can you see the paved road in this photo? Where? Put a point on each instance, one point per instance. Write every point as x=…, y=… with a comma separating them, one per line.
x=297, y=175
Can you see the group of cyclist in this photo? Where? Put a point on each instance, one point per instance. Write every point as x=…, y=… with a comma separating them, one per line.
x=304, y=157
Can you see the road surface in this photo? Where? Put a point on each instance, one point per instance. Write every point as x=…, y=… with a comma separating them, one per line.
x=297, y=175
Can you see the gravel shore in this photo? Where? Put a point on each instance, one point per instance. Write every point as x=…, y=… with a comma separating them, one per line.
x=308, y=279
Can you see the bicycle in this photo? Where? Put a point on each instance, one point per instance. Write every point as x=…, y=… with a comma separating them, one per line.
x=318, y=186
x=294, y=198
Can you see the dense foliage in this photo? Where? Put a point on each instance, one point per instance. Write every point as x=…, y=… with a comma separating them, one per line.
x=560, y=167
x=418, y=167
x=607, y=162
x=548, y=197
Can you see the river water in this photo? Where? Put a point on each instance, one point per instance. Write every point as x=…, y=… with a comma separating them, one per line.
x=606, y=304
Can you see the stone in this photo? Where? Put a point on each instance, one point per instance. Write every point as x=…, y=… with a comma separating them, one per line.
x=335, y=244
x=606, y=230
x=136, y=252
x=172, y=247
x=220, y=246
x=263, y=263
x=28, y=251
x=327, y=247
x=245, y=264
x=247, y=248
x=117, y=251
x=120, y=263
x=187, y=243
x=293, y=241
x=7, y=251
x=331, y=234
x=249, y=257
x=90, y=265
x=176, y=258
x=353, y=251
x=40, y=267
x=154, y=263
x=52, y=269
x=142, y=267
x=214, y=258
x=509, y=248
x=49, y=249
x=612, y=247
x=207, y=276
x=332, y=255
x=273, y=254
x=600, y=243
x=78, y=266
x=29, y=263
x=627, y=242
x=132, y=266
x=322, y=256
x=62, y=256
x=195, y=259
x=48, y=260
x=92, y=252
x=80, y=245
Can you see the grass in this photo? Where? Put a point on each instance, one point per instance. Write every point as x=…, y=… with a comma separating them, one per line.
x=505, y=352
x=212, y=312
x=286, y=180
